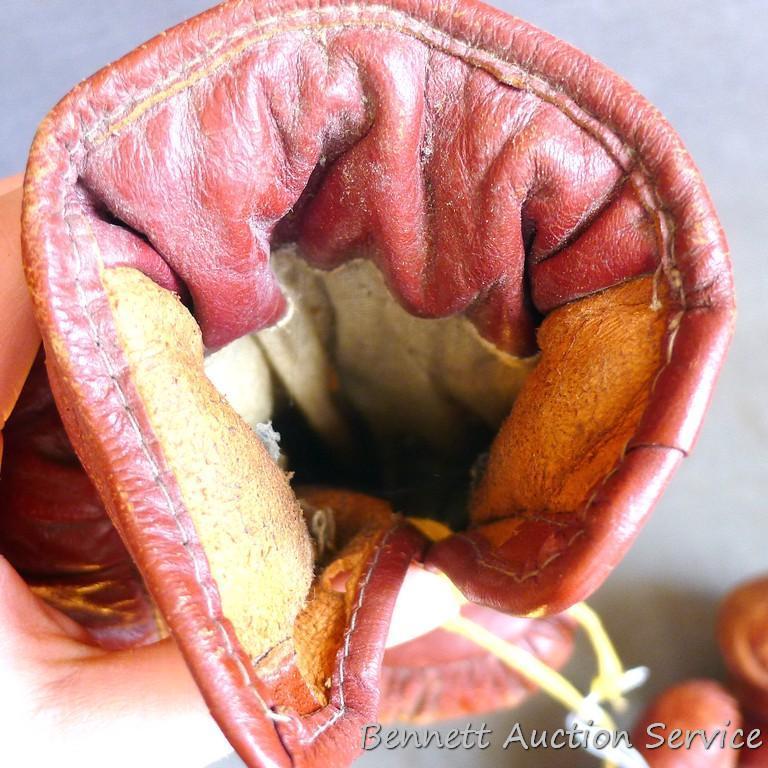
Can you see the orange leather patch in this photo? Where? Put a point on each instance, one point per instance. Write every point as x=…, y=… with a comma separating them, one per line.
x=360, y=521
x=579, y=407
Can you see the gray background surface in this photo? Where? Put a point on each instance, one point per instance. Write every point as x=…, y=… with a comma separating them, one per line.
x=705, y=65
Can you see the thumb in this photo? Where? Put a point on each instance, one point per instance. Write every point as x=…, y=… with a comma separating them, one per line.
x=67, y=702
x=19, y=337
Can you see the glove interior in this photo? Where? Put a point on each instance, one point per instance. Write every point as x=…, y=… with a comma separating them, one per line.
x=369, y=398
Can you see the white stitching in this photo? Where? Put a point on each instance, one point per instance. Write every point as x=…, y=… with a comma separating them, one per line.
x=154, y=466
x=439, y=36
x=348, y=638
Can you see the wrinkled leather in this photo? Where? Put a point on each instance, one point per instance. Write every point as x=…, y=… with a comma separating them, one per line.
x=56, y=531
x=484, y=166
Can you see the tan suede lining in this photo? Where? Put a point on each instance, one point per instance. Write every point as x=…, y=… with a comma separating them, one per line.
x=569, y=425
x=579, y=407
x=244, y=512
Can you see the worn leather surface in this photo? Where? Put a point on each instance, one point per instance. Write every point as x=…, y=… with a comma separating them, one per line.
x=56, y=532
x=484, y=167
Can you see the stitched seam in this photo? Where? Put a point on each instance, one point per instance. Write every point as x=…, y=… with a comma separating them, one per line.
x=515, y=575
x=520, y=79
x=168, y=88
x=153, y=463
x=348, y=639
x=172, y=85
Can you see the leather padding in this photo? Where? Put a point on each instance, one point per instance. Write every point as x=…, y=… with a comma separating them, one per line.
x=570, y=183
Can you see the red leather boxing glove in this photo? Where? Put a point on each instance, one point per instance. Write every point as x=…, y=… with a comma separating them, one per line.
x=431, y=231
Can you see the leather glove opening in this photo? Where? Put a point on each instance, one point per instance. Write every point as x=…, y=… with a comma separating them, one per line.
x=535, y=213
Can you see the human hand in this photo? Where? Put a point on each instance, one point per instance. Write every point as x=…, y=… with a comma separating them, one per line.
x=66, y=701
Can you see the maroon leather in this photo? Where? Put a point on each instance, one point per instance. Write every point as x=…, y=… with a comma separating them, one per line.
x=757, y=757
x=56, y=533
x=439, y=675
x=484, y=166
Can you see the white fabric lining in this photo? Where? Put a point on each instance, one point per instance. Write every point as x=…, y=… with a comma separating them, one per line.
x=345, y=338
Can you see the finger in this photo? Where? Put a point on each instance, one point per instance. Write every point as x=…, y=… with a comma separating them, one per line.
x=86, y=700
x=144, y=700
x=27, y=622
x=19, y=337
x=10, y=183
x=425, y=602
